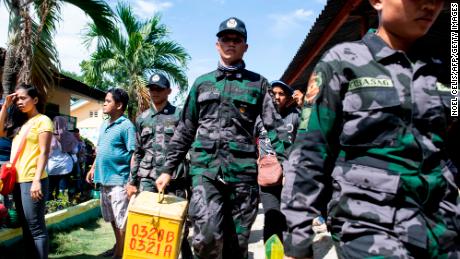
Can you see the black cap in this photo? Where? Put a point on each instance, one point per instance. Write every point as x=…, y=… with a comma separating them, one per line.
x=283, y=85
x=233, y=24
x=159, y=80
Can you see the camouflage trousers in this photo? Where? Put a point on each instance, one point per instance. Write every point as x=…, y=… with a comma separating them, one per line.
x=179, y=189
x=376, y=219
x=222, y=216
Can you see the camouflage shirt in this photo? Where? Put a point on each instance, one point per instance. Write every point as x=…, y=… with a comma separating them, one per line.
x=286, y=132
x=154, y=131
x=218, y=125
x=374, y=126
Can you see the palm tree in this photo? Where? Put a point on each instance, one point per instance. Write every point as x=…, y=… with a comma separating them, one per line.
x=128, y=55
x=31, y=56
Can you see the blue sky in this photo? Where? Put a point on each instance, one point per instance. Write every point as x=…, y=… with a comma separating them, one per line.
x=275, y=30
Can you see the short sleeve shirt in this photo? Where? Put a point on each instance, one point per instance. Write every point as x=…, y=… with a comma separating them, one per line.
x=114, y=149
x=27, y=162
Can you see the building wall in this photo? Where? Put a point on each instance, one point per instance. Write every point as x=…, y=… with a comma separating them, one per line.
x=61, y=97
x=89, y=125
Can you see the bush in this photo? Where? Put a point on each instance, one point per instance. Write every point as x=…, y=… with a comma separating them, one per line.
x=60, y=203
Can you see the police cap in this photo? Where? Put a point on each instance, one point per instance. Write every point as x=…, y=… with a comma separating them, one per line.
x=232, y=24
x=159, y=80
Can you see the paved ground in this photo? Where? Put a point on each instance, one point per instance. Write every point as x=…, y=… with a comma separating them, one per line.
x=322, y=247
x=256, y=242
x=77, y=245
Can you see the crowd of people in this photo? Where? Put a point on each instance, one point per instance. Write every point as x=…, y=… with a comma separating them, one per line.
x=364, y=146
x=51, y=164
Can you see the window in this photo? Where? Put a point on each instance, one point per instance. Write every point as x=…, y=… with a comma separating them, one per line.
x=90, y=114
x=95, y=113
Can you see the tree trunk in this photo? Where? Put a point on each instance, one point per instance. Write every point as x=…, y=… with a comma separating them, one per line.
x=11, y=65
x=10, y=71
x=131, y=114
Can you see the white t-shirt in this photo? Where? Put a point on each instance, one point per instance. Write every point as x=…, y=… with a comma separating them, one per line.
x=59, y=163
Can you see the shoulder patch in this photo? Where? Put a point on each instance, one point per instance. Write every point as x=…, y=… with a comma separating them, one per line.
x=305, y=118
x=314, y=84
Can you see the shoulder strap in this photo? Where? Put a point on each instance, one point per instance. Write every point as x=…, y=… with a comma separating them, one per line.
x=21, y=146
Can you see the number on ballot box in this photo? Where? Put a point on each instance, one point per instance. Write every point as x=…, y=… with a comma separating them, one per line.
x=152, y=240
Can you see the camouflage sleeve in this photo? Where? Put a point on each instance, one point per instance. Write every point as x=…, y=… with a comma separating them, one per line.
x=184, y=134
x=271, y=121
x=264, y=146
x=306, y=191
x=137, y=155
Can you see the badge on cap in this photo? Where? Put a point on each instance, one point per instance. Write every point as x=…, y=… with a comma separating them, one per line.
x=231, y=23
x=155, y=78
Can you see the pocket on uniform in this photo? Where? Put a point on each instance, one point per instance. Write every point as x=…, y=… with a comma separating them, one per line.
x=146, y=133
x=242, y=150
x=202, y=152
x=245, y=105
x=366, y=112
x=245, y=204
x=208, y=104
x=197, y=210
x=169, y=131
x=208, y=96
x=364, y=193
x=147, y=161
x=371, y=98
x=203, y=144
x=241, y=147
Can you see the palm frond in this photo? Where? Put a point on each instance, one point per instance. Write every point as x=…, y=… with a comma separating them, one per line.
x=127, y=17
x=99, y=11
x=175, y=73
x=45, y=62
x=171, y=52
x=127, y=59
x=48, y=13
x=135, y=45
x=155, y=30
x=92, y=33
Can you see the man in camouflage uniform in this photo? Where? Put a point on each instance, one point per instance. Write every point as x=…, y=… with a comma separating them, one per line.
x=270, y=196
x=373, y=131
x=218, y=124
x=155, y=127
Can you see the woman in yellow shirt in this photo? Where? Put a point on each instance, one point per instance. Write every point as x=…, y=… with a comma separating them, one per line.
x=32, y=180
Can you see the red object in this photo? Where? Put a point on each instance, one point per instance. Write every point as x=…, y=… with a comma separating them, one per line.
x=3, y=211
x=8, y=171
x=270, y=171
x=8, y=177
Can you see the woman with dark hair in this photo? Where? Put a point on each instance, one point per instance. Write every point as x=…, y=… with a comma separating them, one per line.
x=60, y=161
x=32, y=180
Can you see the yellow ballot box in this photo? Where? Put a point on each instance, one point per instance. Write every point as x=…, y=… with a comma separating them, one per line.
x=155, y=226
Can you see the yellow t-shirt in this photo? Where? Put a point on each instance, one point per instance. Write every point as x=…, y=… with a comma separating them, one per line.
x=27, y=162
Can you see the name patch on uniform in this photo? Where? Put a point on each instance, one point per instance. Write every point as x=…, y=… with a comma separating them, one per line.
x=364, y=82
x=442, y=87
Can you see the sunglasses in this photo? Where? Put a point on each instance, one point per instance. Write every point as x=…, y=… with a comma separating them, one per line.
x=235, y=40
